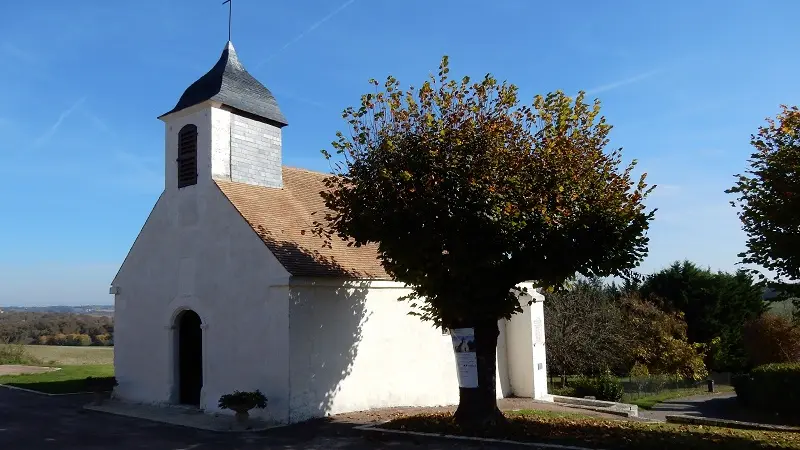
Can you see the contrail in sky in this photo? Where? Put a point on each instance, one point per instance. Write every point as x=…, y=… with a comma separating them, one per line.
x=308, y=30
x=50, y=132
x=620, y=83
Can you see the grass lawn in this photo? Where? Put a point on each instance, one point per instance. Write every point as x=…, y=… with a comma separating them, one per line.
x=535, y=426
x=546, y=414
x=69, y=379
x=648, y=401
x=71, y=356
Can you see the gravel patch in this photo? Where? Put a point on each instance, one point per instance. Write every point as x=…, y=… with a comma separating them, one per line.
x=14, y=369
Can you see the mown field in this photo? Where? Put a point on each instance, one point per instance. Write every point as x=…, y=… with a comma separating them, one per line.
x=67, y=380
x=71, y=356
x=81, y=369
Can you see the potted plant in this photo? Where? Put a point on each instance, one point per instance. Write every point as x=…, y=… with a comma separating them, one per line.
x=242, y=403
x=100, y=387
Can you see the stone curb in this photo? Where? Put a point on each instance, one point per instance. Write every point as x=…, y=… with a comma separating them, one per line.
x=691, y=420
x=377, y=428
x=600, y=409
x=615, y=408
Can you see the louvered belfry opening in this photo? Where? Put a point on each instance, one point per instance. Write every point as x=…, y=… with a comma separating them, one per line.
x=187, y=156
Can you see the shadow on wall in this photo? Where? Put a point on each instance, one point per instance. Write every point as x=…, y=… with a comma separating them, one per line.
x=325, y=327
x=325, y=349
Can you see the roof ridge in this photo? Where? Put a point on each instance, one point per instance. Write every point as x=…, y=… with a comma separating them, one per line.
x=305, y=170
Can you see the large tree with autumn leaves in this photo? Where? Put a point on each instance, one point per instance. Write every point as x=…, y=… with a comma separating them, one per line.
x=468, y=192
x=768, y=198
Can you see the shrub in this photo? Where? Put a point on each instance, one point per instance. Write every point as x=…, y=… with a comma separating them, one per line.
x=78, y=340
x=565, y=391
x=16, y=354
x=58, y=339
x=657, y=383
x=639, y=375
x=101, y=339
x=609, y=388
x=243, y=401
x=660, y=341
x=727, y=353
x=585, y=387
x=606, y=387
x=771, y=387
x=771, y=339
x=639, y=371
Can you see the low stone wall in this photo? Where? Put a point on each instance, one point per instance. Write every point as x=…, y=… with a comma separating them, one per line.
x=619, y=409
x=690, y=420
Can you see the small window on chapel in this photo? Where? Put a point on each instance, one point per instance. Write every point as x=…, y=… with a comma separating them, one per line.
x=187, y=156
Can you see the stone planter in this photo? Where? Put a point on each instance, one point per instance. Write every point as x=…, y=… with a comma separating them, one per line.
x=242, y=414
x=241, y=403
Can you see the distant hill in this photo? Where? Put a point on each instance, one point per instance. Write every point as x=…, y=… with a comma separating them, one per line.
x=785, y=308
x=58, y=325
x=92, y=310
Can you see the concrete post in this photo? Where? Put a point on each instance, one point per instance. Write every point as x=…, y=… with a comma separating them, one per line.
x=527, y=357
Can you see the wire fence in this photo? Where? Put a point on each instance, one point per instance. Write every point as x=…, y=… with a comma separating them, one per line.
x=637, y=387
x=659, y=383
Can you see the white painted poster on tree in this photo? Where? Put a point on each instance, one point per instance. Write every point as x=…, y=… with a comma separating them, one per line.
x=466, y=359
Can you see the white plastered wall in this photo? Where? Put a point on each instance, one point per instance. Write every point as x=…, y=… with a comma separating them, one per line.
x=196, y=252
x=354, y=347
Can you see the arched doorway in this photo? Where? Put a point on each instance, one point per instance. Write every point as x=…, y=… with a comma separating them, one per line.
x=190, y=358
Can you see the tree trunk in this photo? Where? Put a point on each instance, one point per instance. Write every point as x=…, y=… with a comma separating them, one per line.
x=477, y=407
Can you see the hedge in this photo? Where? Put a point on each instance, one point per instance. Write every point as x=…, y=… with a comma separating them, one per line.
x=607, y=388
x=771, y=387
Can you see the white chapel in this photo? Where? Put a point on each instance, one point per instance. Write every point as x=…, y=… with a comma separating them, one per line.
x=226, y=289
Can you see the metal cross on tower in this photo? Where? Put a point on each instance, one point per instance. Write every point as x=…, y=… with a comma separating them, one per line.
x=230, y=14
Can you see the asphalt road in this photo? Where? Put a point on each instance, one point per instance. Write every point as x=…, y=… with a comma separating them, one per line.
x=32, y=421
x=714, y=406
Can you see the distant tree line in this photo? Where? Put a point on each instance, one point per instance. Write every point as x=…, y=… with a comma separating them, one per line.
x=56, y=328
x=592, y=327
x=681, y=321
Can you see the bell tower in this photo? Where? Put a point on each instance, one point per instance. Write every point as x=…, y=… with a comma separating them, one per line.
x=225, y=126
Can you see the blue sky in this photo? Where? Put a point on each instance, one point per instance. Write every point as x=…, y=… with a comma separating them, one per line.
x=684, y=83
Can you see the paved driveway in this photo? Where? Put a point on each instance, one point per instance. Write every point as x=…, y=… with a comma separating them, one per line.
x=32, y=422
x=714, y=406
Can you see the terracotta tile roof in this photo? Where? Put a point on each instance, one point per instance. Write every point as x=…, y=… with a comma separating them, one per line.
x=283, y=219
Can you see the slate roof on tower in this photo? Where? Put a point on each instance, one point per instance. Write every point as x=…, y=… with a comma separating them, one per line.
x=229, y=83
x=283, y=219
